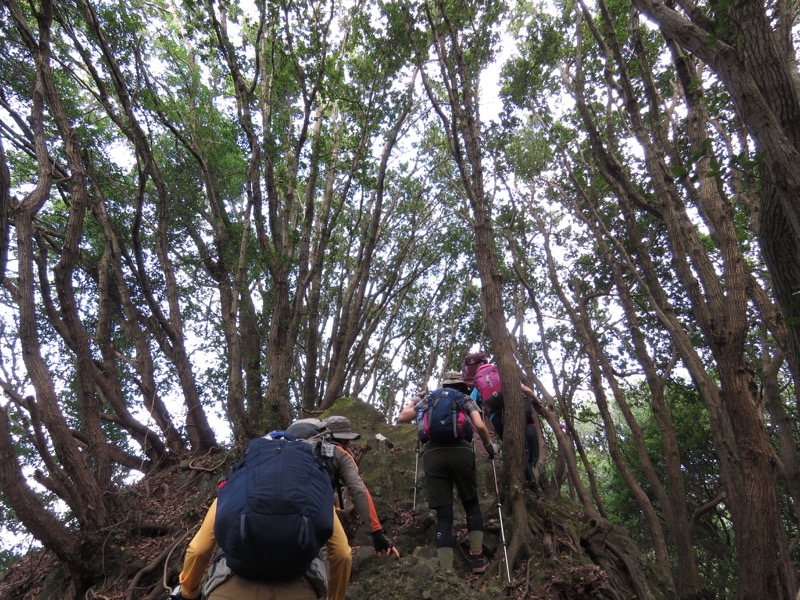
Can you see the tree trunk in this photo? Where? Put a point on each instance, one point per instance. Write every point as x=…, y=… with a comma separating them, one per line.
x=88, y=501
x=356, y=309
x=5, y=210
x=460, y=117
x=758, y=66
x=63, y=542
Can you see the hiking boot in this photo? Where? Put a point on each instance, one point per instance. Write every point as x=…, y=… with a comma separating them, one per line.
x=479, y=562
x=444, y=576
x=534, y=485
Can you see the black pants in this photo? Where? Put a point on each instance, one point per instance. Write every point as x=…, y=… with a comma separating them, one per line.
x=531, y=439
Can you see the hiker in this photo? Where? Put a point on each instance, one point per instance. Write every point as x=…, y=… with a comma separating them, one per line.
x=531, y=437
x=471, y=364
x=484, y=378
x=273, y=563
x=344, y=472
x=443, y=418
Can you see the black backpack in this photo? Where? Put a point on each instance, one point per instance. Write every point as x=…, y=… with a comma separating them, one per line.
x=443, y=417
x=275, y=510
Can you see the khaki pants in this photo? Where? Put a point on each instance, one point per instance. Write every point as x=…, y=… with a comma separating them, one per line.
x=239, y=588
x=340, y=561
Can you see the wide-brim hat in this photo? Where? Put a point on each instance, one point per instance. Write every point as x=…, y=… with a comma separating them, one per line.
x=453, y=379
x=340, y=428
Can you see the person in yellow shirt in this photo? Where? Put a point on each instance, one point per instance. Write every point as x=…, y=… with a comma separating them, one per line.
x=265, y=460
x=223, y=584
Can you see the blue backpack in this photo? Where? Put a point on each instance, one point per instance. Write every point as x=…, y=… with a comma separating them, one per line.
x=275, y=510
x=443, y=417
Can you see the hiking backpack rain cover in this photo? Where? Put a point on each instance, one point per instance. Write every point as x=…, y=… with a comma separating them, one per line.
x=275, y=512
x=444, y=417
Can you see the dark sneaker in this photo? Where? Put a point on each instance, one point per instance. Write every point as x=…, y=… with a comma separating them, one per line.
x=479, y=562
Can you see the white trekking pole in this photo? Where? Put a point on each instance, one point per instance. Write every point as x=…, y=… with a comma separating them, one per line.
x=423, y=390
x=500, y=514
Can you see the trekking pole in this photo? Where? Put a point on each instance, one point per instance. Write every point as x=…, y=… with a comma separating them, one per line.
x=416, y=471
x=423, y=390
x=502, y=529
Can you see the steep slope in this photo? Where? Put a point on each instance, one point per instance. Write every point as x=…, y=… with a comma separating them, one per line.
x=570, y=557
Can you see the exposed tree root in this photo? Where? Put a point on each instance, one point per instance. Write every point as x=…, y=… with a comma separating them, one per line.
x=163, y=557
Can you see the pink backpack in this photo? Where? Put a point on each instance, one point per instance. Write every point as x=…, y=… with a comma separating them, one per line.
x=487, y=380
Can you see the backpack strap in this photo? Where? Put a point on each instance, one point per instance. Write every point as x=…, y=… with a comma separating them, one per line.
x=455, y=408
x=324, y=450
x=339, y=494
x=336, y=480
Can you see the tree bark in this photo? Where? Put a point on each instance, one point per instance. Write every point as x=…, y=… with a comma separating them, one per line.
x=63, y=542
x=5, y=209
x=745, y=55
x=91, y=509
x=460, y=117
x=758, y=67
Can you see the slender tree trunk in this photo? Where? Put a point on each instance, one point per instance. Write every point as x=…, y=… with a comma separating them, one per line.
x=672, y=500
x=462, y=124
x=86, y=492
x=568, y=445
x=355, y=306
x=719, y=306
x=748, y=47
x=130, y=321
x=5, y=209
x=65, y=543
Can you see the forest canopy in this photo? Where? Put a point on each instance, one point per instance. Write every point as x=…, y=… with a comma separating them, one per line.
x=218, y=217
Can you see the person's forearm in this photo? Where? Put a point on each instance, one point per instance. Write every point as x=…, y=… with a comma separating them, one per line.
x=480, y=427
x=408, y=414
x=484, y=435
